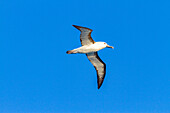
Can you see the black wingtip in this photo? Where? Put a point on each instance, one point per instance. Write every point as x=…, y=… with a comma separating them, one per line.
x=100, y=82
x=99, y=86
x=78, y=27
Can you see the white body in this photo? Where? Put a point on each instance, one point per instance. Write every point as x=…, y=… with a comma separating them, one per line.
x=90, y=48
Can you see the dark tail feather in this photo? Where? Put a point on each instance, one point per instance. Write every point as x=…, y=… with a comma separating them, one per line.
x=70, y=52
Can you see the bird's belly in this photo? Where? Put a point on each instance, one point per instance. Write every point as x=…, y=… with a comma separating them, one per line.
x=88, y=49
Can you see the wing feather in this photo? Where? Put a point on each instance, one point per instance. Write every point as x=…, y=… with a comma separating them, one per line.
x=99, y=65
x=85, y=36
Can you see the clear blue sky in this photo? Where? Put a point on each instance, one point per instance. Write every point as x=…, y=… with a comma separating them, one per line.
x=37, y=76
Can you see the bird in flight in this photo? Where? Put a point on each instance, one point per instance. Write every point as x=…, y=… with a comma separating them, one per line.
x=90, y=48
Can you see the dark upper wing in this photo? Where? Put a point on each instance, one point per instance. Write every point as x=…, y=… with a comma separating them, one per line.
x=85, y=36
x=99, y=65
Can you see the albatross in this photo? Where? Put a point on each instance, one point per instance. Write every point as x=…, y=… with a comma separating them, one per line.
x=90, y=48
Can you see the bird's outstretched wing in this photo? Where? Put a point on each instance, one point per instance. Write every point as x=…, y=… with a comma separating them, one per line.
x=99, y=65
x=85, y=36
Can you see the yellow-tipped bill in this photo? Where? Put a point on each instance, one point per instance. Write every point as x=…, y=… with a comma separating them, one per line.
x=110, y=46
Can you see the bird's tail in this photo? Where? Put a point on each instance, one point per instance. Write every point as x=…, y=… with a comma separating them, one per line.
x=71, y=52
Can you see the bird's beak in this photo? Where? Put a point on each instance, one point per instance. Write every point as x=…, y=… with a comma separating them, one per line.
x=110, y=46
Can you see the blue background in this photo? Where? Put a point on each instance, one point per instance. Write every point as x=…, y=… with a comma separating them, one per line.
x=36, y=74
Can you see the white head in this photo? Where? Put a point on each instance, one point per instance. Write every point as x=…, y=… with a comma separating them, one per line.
x=104, y=44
